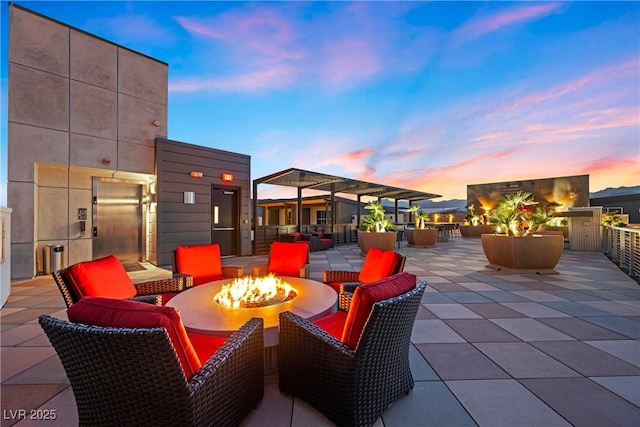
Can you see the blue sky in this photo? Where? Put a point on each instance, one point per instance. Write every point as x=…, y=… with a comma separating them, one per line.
x=424, y=95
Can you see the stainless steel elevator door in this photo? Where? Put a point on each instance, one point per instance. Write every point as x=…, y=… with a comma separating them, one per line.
x=117, y=220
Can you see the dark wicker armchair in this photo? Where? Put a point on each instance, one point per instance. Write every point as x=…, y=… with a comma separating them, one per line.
x=148, y=291
x=351, y=386
x=373, y=260
x=132, y=376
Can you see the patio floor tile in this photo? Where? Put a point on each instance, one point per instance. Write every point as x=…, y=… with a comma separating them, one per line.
x=581, y=330
x=452, y=311
x=627, y=350
x=521, y=360
x=430, y=403
x=504, y=403
x=530, y=330
x=479, y=330
x=433, y=331
x=587, y=360
x=622, y=325
x=625, y=387
x=494, y=310
x=534, y=309
x=459, y=362
x=583, y=402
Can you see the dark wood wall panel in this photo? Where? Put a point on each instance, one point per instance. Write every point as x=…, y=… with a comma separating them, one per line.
x=184, y=224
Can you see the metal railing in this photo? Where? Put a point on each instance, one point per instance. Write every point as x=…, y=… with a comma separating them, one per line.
x=622, y=246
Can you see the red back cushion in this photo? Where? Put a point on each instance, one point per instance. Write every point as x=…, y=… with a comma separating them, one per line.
x=287, y=258
x=365, y=296
x=132, y=314
x=103, y=277
x=296, y=235
x=378, y=264
x=199, y=261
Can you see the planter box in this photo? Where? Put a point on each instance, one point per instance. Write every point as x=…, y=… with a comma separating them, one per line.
x=534, y=254
x=421, y=238
x=475, y=230
x=385, y=241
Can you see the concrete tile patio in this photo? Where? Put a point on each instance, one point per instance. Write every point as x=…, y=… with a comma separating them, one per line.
x=489, y=348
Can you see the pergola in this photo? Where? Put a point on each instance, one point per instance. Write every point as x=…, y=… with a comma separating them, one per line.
x=303, y=179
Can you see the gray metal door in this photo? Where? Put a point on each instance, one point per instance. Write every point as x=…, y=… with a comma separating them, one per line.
x=225, y=220
x=117, y=219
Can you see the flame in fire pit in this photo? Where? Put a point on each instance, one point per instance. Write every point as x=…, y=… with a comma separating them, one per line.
x=249, y=292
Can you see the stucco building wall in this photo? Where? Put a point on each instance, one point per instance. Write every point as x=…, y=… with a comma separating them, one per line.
x=79, y=107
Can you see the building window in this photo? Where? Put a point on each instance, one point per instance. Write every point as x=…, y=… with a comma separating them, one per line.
x=321, y=217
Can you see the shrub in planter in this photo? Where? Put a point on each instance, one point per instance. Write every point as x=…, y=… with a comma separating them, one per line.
x=376, y=230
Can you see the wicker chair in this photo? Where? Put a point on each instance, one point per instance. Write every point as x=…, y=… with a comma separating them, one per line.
x=286, y=259
x=132, y=376
x=351, y=386
x=337, y=278
x=148, y=291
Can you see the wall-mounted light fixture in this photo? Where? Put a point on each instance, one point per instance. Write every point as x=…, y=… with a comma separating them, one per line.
x=106, y=162
x=156, y=123
x=227, y=177
x=189, y=198
x=196, y=174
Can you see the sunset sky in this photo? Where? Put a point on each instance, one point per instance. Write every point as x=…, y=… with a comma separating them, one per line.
x=430, y=96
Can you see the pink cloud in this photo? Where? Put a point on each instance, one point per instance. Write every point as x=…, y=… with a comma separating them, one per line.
x=480, y=26
x=276, y=76
x=347, y=59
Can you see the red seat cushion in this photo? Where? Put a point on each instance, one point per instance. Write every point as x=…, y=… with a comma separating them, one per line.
x=286, y=259
x=333, y=323
x=103, y=277
x=296, y=235
x=132, y=314
x=378, y=264
x=365, y=296
x=199, y=261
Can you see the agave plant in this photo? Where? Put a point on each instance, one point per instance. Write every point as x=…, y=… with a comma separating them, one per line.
x=514, y=215
x=420, y=217
x=376, y=221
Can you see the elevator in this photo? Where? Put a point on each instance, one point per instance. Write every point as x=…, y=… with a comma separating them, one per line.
x=118, y=212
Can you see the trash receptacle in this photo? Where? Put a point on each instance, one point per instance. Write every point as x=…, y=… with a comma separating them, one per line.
x=52, y=258
x=57, y=258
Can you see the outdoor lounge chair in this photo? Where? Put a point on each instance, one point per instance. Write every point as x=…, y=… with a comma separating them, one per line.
x=310, y=239
x=377, y=265
x=143, y=370
x=285, y=259
x=106, y=277
x=352, y=365
x=325, y=240
x=202, y=264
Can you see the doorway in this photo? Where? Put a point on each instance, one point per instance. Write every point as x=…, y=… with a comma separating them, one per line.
x=117, y=219
x=225, y=220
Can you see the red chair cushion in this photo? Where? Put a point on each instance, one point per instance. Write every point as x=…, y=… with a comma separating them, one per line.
x=296, y=235
x=103, y=277
x=199, y=261
x=365, y=296
x=286, y=259
x=333, y=323
x=378, y=264
x=205, y=345
x=132, y=314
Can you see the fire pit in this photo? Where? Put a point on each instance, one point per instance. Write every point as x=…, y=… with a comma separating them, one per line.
x=252, y=292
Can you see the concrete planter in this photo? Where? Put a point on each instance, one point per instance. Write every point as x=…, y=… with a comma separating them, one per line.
x=421, y=238
x=533, y=254
x=475, y=230
x=385, y=241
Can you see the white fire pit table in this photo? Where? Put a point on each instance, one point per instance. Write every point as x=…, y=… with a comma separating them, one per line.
x=201, y=314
